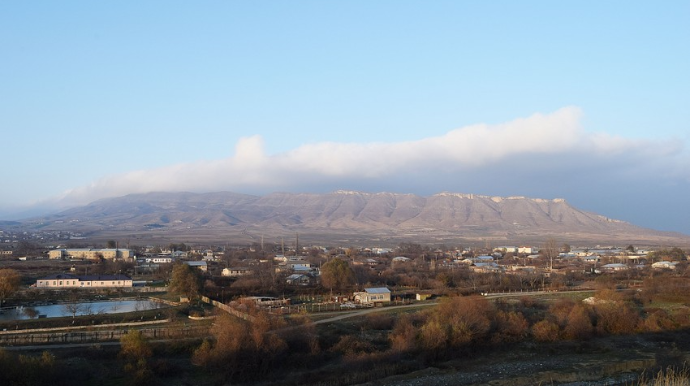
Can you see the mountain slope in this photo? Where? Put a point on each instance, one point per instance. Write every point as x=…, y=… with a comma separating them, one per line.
x=444, y=216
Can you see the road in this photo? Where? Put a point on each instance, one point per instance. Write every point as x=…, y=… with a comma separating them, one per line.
x=345, y=315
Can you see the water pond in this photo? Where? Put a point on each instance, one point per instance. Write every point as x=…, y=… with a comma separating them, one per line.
x=79, y=309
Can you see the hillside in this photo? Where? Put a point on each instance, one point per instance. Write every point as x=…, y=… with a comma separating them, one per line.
x=348, y=216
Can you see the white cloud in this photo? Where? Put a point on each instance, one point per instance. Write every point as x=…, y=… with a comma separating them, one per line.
x=469, y=150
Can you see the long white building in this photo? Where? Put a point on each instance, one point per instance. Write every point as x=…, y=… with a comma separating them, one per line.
x=66, y=280
x=90, y=253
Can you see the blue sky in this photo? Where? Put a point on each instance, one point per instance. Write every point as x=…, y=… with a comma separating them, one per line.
x=582, y=100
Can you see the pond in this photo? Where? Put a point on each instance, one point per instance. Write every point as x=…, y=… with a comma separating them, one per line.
x=79, y=309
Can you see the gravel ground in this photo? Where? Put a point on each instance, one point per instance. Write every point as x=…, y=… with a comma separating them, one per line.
x=612, y=361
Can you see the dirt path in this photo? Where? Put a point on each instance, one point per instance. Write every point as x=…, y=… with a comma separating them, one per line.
x=346, y=315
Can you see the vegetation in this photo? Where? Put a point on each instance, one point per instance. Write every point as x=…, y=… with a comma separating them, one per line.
x=135, y=351
x=186, y=281
x=337, y=274
x=22, y=369
x=9, y=283
x=270, y=346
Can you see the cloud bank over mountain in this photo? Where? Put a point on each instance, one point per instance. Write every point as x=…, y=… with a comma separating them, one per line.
x=543, y=155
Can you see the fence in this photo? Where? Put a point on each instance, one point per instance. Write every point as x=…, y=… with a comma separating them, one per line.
x=228, y=309
x=64, y=337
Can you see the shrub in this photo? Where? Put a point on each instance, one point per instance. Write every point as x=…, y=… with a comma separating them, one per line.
x=579, y=323
x=404, y=335
x=545, y=331
x=511, y=326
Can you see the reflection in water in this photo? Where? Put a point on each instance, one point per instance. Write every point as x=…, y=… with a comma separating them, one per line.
x=78, y=309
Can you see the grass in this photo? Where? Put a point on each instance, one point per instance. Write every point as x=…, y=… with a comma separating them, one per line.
x=668, y=377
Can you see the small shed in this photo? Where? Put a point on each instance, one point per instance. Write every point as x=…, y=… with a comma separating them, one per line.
x=420, y=296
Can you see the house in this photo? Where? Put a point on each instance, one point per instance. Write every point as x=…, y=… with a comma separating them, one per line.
x=521, y=269
x=525, y=250
x=179, y=255
x=665, y=265
x=202, y=265
x=296, y=266
x=614, y=267
x=298, y=279
x=401, y=259
x=506, y=249
x=160, y=259
x=236, y=271
x=368, y=261
x=592, y=259
x=373, y=296
x=64, y=280
x=486, y=267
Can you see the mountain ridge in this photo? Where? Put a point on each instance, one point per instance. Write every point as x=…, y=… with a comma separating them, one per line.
x=442, y=216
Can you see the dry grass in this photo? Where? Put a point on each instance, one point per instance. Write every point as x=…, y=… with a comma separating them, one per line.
x=668, y=377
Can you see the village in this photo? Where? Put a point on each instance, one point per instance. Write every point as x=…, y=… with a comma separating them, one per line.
x=409, y=270
x=225, y=312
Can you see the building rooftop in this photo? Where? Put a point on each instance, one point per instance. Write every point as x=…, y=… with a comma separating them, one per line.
x=378, y=290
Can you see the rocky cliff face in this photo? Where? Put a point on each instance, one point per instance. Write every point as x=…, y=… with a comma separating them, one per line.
x=345, y=212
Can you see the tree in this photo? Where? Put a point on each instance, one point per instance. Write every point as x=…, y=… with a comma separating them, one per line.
x=135, y=349
x=9, y=283
x=337, y=274
x=550, y=251
x=25, y=248
x=675, y=254
x=111, y=244
x=186, y=280
x=74, y=306
x=134, y=345
x=74, y=309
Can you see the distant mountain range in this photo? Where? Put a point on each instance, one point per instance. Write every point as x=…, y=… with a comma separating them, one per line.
x=346, y=216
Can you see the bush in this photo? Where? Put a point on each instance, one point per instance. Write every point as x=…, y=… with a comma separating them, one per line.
x=511, y=326
x=545, y=331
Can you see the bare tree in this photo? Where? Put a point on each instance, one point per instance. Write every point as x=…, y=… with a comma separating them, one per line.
x=550, y=251
x=73, y=309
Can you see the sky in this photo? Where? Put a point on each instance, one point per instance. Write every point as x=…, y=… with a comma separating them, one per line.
x=583, y=100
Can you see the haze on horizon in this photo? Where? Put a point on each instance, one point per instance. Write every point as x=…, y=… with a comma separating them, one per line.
x=582, y=101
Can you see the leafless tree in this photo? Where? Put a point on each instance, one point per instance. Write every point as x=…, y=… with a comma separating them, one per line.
x=550, y=251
